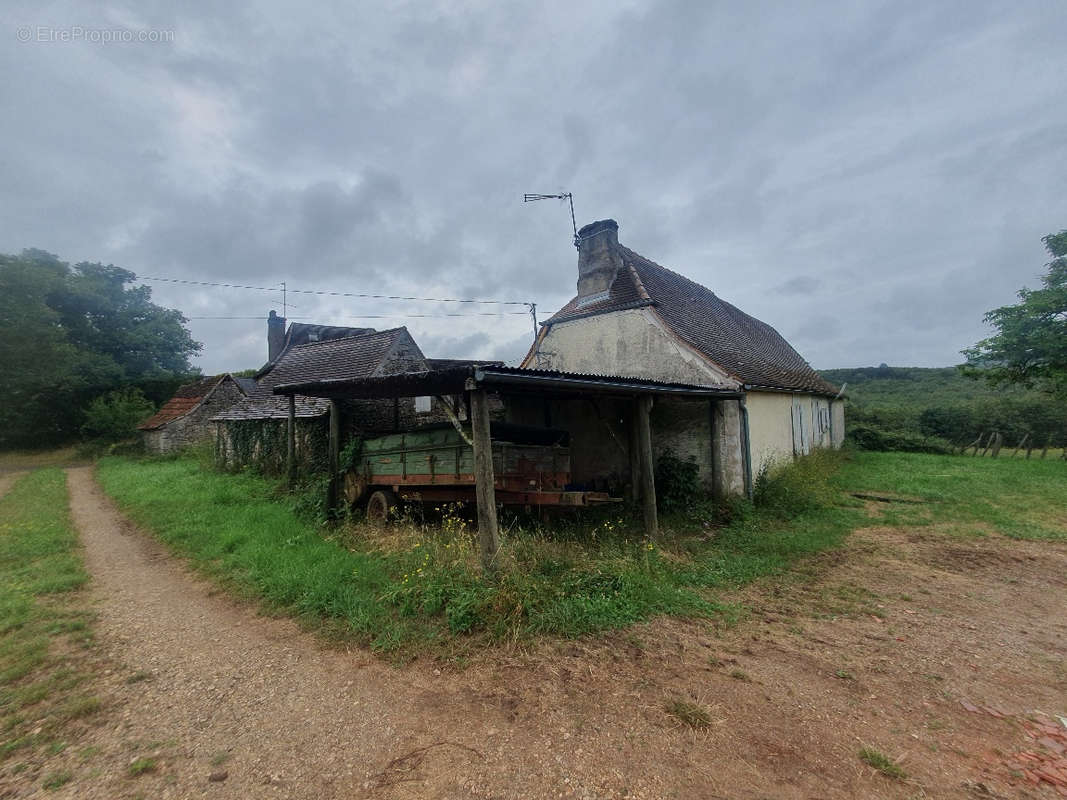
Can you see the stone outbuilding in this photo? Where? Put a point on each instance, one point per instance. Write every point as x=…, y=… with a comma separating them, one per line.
x=633, y=317
x=185, y=419
x=253, y=432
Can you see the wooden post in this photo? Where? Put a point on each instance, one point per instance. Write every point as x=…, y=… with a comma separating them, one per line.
x=1044, y=450
x=1019, y=446
x=644, y=456
x=290, y=439
x=998, y=442
x=485, y=489
x=635, y=462
x=334, y=454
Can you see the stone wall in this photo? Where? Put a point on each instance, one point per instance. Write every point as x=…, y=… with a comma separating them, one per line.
x=600, y=431
x=196, y=426
x=262, y=444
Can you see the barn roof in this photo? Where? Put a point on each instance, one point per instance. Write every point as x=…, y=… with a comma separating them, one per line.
x=188, y=397
x=299, y=333
x=455, y=378
x=359, y=356
x=751, y=350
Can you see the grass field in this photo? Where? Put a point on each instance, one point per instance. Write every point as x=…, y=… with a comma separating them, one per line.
x=1014, y=497
x=45, y=633
x=417, y=587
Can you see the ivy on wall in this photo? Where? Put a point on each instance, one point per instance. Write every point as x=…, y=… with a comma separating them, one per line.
x=262, y=445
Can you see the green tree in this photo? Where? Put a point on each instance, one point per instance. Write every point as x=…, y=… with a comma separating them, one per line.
x=115, y=415
x=1029, y=347
x=71, y=334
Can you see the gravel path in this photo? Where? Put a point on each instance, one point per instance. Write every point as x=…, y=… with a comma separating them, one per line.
x=208, y=688
x=258, y=697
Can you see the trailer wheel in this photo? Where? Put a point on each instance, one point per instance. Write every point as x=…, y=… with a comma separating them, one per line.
x=355, y=487
x=379, y=505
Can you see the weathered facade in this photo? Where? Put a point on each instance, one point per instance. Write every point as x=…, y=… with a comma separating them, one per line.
x=633, y=317
x=185, y=419
x=253, y=432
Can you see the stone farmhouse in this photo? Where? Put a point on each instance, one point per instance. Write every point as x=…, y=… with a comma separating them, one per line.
x=632, y=317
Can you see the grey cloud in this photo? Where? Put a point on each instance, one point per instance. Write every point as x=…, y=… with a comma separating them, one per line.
x=800, y=285
x=884, y=167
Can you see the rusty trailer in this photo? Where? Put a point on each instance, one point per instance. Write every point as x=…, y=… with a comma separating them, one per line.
x=531, y=467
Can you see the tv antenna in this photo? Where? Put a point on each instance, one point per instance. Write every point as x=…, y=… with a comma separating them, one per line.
x=529, y=198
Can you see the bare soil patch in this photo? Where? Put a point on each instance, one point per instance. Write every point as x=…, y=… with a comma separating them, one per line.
x=7, y=480
x=876, y=645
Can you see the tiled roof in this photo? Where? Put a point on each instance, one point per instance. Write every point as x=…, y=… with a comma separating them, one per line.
x=246, y=384
x=752, y=351
x=305, y=333
x=358, y=356
x=184, y=400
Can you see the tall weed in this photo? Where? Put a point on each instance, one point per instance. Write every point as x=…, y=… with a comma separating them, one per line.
x=801, y=486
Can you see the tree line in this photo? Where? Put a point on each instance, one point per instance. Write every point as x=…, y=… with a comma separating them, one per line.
x=83, y=350
x=1013, y=383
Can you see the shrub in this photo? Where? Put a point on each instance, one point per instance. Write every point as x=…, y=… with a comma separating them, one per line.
x=308, y=500
x=868, y=437
x=676, y=483
x=115, y=415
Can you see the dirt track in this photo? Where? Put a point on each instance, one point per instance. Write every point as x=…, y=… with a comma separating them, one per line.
x=794, y=690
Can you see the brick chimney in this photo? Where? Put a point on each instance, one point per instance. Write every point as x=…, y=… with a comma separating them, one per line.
x=598, y=258
x=275, y=335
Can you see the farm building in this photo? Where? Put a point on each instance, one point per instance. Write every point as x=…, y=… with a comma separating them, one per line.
x=496, y=434
x=185, y=419
x=253, y=431
x=633, y=317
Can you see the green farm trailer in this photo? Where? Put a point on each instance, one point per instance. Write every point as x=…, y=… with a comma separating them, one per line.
x=531, y=467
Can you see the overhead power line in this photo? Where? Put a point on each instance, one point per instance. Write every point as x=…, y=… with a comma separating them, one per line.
x=393, y=316
x=334, y=294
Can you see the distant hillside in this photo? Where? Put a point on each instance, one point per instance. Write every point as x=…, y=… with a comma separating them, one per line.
x=941, y=402
x=914, y=387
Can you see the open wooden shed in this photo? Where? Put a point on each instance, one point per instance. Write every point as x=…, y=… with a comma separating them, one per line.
x=608, y=419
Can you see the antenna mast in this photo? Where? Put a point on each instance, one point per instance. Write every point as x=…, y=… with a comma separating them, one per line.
x=529, y=198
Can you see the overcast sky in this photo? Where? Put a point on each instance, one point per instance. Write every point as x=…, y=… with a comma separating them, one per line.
x=867, y=177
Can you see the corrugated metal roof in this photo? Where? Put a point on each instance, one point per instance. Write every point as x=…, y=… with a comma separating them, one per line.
x=452, y=380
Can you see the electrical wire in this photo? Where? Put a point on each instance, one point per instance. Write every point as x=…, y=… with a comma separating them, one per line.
x=396, y=316
x=333, y=294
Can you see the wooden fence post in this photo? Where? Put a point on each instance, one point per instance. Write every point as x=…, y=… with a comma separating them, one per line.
x=998, y=441
x=484, y=481
x=1019, y=446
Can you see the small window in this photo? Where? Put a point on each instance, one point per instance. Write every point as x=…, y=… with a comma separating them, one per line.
x=423, y=405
